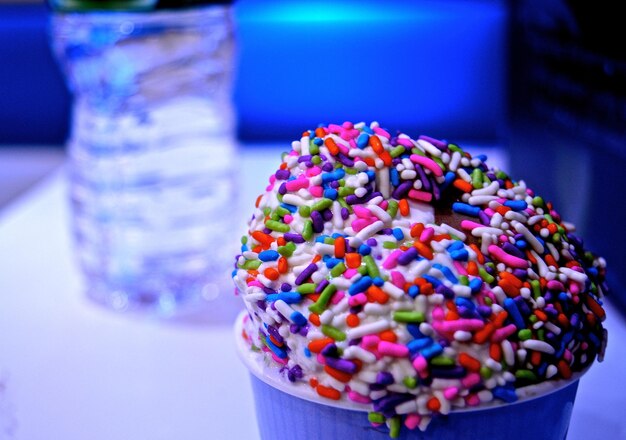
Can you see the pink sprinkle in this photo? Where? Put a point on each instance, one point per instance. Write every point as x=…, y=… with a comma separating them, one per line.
x=459, y=268
x=490, y=212
x=470, y=225
x=361, y=223
x=357, y=300
x=567, y=355
x=255, y=284
x=555, y=285
x=296, y=184
x=287, y=218
x=313, y=171
x=352, y=143
x=502, y=333
x=470, y=380
x=348, y=125
x=279, y=360
x=384, y=204
x=405, y=142
x=472, y=400
x=359, y=398
x=507, y=259
x=269, y=187
x=335, y=129
x=458, y=324
x=574, y=288
x=438, y=313
x=428, y=163
x=503, y=239
x=393, y=349
x=412, y=421
x=273, y=178
x=381, y=132
x=316, y=191
x=320, y=359
x=338, y=296
x=293, y=153
x=349, y=273
x=392, y=259
x=370, y=341
x=421, y=196
x=420, y=363
x=362, y=212
x=397, y=279
x=427, y=235
x=342, y=148
x=450, y=393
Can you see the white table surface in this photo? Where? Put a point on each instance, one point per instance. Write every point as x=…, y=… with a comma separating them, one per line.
x=72, y=370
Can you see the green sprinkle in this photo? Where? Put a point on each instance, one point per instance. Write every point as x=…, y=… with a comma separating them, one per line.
x=541, y=334
x=397, y=151
x=502, y=175
x=314, y=149
x=485, y=372
x=524, y=334
x=279, y=197
x=372, y=267
x=244, y=239
x=439, y=162
x=351, y=171
x=338, y=270
x=277, y=226
x=321, y=204
x=442, y=361
x=333, y=332
x=408, y=316
x=463, y=280
x=410, y=382
x=533, y=319
x=320, y=305
x=306, y=288
x=316, y=160
x=267, y=210
x=454, y=147
x=284, y=251
x=538, y=202
x=477, y=178
x=417, y=151
x=394, y=427
x=362, y=269
x=376, y=417
x=485, y=276
x=251, y=264
x=488, y=301
x=390, y=245
x=556, y=237
x=275, y=216
x=307, y=230
x=534, y=284
x=392, y=209
x=304, y=211
x=525, y=375
x=329, y=240
x=282, y=211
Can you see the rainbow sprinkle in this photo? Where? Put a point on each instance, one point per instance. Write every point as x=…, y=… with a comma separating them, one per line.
x=405, y=275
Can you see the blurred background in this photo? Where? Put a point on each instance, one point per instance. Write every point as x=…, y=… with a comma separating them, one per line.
x=545, y=81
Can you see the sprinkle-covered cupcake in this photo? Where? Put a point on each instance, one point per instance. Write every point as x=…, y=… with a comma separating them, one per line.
x=406, y=277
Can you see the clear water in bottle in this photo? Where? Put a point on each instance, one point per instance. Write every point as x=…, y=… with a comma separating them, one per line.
x=150, y=153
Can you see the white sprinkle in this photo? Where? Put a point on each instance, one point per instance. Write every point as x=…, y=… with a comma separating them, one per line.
x=356, y=352
x=480, y=200
x=489, y=190
x=304, y=146
x=463, y=175
x=408, y=174
x=430, y=148
x=324, y=249
x=293, y=199
x=485, y=396
x=512, y=215
x=366, y=233
x=367, y=329
x=521, y=354
x=573, y=275
x=360, y=192
x=454, y=161
x=380, y=213
x=551, y=371
x=407, y=407
x=382, y=182
x=462, y=336
x=452, y=231
x=284, y=309
x=535, y=344
x=530, y=238
x=507, y=351
x=534, y=219
x=462, y=291
x=482, y=230
x=553, y=328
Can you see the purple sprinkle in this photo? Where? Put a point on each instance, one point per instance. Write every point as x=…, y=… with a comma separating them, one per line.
x=520, y=273
x=391, y=401
x=574, y=320
x=330, y=350
x=345, y=160
x=354, y=200
x=321, y=286
x=402, y=190
x=387, y=231
x=447, y=292
x=267, y=231
x=285, y=287
x=436, y=192
x=448, y=373
x=371, y=242
x=436, y=142
x=334, y=184
x=423, y=177
x=485, y=311
x=510, y=249
x=304, y=158
x=407, y=256
x=282, y=174
x=304, y=330
x=294, y=328
x=384, y=378
x=309, y=164
x=522, y=306
x=345, y=213
x=306, y=273
x=484, y=218
x=296, y=238
x=323, y=157
x=517, y=237
x=274, y=332
x=282, y=189
x=328, y=167
x=268, y=290
x=318, y=221
x=327, y=214
x=342, y=365
x=355, y=310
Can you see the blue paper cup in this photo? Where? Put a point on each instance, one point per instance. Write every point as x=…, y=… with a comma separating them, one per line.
x=288, y=411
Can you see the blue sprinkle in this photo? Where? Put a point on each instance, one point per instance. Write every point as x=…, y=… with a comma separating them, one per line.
x=432, y=351
x=563, y=297
x=449, y=178
x=233, y=274
x=307, y=352
x=290, y=297
x=516, y=205
x=360, y=285
x=594, y=339
x=378, y=281
x=298, y=318
x=460, y=255
x=365, y=249
x=397, y=232
x=511, y=306
x=414, y=330
x=464, y=302
x=288, y=207
x=446, y=273
x=362, y=140
x=339, y=173
x=371, y=175
x=336, y=235
x=244, y=248
x=464, y=208
x=505, y=393
x=394, y=177
x=476, y=284
x=318, y=141
x=541, y=370
x=481, y=157
x=269, y=255
x=521, y=244
x=368, y=130
x=432, y=280
x=455, y=246
x=331, y=193
x=414, y=291
x=278, y=351
x=419, y=344
x=332, y=262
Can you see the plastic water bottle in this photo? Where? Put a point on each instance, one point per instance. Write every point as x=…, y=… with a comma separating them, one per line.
x=151, y=150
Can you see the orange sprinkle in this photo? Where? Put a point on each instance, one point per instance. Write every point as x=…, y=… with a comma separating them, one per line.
x=417, y=229
x=535, y=358
x=257, y=249
x=531, y=257
x=316, y=259
x=328, y=392
x=340, y=247
x=283, y=166
x=563, y=321
x=386, y=158
x=280, y=241
x=452, y=316
x=502, y=210
x=541, y=315
x=313, y=382
x=591, y=318
x=552, y=228
x=388, y=335
x=472, y=268
x=469, y=362
x=508, y=287
x=403, y=206
x=258, y=201
x=314, y=319
x=283, y=267
x=595, y=307
x=262, y=237
x=339, y=375
x=376, y=294
x=353, y=260
x=275, y=342
x=427, y=289
x=253, y=272
x=271, y=273
x=508, y=184
x=564, y=369
x=433, y=404
x=376, y=144
x=320, y=132
x=424, y=250
x=479, y=255
x=332, y=146
x=352, y=320
x=495, y=352
x=512, y=278
x=317, y=345
x=463, y=185
x=500, y=318
x=369, y=161
x=485, y=333
x=550, y=261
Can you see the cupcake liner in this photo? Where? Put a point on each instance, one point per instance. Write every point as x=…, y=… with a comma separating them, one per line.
x=295, y=412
